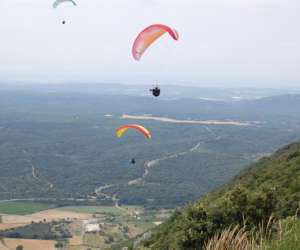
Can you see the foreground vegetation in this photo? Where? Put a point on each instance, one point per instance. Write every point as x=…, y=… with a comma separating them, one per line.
x=286, y=237
x=269, y=188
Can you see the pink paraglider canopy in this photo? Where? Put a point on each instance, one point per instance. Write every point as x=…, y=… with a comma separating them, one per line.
x=149, y=36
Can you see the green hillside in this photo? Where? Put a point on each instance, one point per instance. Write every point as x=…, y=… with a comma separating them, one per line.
x=269, y=187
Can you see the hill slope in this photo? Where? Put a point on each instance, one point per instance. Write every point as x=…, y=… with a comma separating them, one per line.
x=270, y=186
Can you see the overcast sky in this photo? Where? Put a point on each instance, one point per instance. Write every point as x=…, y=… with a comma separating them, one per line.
x=222, y=42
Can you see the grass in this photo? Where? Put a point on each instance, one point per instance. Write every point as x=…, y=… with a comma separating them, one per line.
x=231, y=238
x=143, y=225
x=93, y=240
x=287, y=237
x=78, y=248
x=132, y=207
x=23, y=208
x=93, y=209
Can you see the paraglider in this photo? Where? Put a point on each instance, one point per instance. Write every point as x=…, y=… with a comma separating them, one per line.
x=122, y=130
x=155, y=91
x=148, y=36
x=57, y=3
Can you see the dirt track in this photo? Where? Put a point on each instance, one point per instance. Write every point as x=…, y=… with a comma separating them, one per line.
x=171, y=120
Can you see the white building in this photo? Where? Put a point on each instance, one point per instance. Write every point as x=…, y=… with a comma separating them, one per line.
x=92, y=228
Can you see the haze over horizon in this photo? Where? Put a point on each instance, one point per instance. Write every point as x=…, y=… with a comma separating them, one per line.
x=222, y=43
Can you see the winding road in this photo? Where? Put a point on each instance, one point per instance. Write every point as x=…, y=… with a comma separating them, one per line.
x=100, y=191
x=34, y=172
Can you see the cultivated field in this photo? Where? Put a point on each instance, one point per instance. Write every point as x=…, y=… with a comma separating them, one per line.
x=114, y=224
x=3, y=247
x=92, y=210
x=11, y=244
x=47, y=215
x=22, y=208
x=5, y=226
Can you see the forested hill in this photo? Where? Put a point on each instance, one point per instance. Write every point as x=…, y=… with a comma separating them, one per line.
x=269, y=187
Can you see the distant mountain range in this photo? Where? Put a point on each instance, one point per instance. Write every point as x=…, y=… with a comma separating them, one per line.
x=168, y=91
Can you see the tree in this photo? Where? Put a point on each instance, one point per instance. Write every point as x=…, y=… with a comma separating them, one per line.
x=59, y=245
x=19, y=247
x=109, y=239
x=126, y=229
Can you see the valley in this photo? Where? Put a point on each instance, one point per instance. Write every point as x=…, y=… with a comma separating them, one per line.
x=65, y=149
x=68, y=181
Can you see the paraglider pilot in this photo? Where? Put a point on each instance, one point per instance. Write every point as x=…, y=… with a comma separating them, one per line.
x=155, y=91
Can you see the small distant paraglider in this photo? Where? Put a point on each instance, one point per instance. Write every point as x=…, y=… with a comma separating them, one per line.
x=57, y=3
x=122, y=130
x=155, y=91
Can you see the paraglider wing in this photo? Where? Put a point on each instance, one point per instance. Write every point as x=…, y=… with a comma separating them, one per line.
x=122, y=130
x=59, y=2
x=149, y=36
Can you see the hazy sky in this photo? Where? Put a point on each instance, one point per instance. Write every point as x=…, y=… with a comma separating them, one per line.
x=222, y=42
